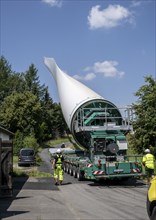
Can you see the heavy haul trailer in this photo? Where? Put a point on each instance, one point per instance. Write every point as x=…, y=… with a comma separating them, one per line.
x=104, y=138
x=98, y=126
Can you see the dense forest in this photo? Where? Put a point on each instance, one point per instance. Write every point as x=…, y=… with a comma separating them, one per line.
x=29, y=112
x=27, y=109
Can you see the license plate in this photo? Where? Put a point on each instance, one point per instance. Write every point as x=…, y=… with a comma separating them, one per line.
x=118, y=170
x=110, y=165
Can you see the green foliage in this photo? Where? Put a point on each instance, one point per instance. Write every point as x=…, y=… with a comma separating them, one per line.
x=30, y=142
x=32, y=82
x=9, y=81
x=20, y=141
x=59, y=121
x=50, y=143
x=26, y=106
x=29, y=173
x=145, y=125
x=17, y=142
x=21, y=111
x=5, y=73
x=15, y=159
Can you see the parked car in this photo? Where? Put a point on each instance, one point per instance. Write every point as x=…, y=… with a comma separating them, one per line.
x=151, y=199
x=26, y=157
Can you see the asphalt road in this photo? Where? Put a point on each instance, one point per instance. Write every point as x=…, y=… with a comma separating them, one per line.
x=39, y=198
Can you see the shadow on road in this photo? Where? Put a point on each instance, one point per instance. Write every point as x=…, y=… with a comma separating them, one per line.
x=66, y=183
x=18, y=183
x=131, y=183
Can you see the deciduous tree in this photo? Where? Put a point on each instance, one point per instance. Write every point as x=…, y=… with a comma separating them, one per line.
x=145, y=123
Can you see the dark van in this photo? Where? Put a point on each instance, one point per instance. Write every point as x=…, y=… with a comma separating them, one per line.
x=26, y=157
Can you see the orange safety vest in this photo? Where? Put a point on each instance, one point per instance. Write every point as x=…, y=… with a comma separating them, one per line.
x=148, y=159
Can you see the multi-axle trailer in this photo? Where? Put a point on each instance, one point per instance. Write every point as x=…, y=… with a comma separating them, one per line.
x=99, y=127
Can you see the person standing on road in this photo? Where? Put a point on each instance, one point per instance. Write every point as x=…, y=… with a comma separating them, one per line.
x=148, y=162
x=58, y=167
x=63, y=145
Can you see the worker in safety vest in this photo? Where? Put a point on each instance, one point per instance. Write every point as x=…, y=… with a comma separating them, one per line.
x=58, y=167
x=148, y=162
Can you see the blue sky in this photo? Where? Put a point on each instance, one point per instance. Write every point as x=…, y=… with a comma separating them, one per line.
x=107, y=45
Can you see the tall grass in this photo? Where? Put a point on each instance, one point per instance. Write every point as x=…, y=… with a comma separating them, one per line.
x=51, y=143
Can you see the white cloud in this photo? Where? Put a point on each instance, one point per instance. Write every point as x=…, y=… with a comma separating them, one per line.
x=112, y=16
x=87, y=77
x=135, y=3
x=107, y=68
x=53, y=3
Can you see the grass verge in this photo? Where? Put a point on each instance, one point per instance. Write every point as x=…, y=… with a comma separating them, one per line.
x=28, y=171
x=31, y=173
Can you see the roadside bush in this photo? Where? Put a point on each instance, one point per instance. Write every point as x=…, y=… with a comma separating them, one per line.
x=17, y=142
x=30, y=142
x=20, y=142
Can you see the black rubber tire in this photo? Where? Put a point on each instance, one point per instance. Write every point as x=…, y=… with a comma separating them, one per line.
x=153, y=216
x=67, y=168
x=64, y=168
x=74, y=172
x=71, y=170
x=80, y=175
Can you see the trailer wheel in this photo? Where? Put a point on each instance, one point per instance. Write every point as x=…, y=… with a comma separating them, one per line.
x=74, y=172
x=67, y=168
x=153, y=214
x=80, y=175
x=71, y=170
x=64, y=168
